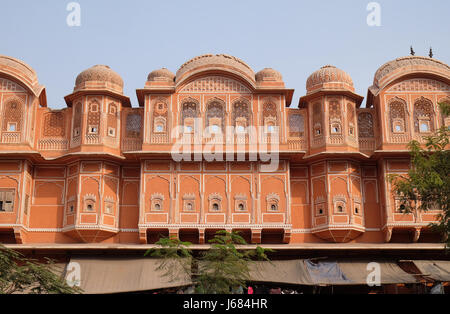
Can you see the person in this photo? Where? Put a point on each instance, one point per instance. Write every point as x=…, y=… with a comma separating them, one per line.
x=275, y=291
x=250, y=290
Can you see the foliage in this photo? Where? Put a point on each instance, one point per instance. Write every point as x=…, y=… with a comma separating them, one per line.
x=221, y=269
x=175, y=255
x=19, y=274
x=427, y=185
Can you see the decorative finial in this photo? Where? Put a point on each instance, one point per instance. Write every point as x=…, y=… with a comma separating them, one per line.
x=412, y=51
x=431, y=52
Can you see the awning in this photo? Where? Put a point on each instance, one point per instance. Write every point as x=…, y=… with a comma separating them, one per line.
x=114, y=275
x=287, y=272
x=357, y=272
x=342, y=272
x=436, y=270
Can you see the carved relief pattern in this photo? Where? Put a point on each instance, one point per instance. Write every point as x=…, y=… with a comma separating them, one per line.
x=77, y=120
x=317, y=124
x=13, y=113
x=134, y=125
x=365, y=124
x=350, y=114
x=296, y=125
x=215, y=84
x=317, y=114
x=8, y=86
x=54, y=124
x=335, y=111
x=417, y=85
x=94, y=115
x=112, y=116
x=270, y=111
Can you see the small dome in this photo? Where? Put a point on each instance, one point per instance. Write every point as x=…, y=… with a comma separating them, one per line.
x=329, y=77
x=99, y=74
x=161, y=75
x=268, y=74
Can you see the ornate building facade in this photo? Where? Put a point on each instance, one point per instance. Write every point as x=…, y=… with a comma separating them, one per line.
x=101, y=170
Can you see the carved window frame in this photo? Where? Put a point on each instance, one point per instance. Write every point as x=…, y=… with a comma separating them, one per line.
x=157, y=203
x=213, y=199
x=273, y=203
x=89, y=203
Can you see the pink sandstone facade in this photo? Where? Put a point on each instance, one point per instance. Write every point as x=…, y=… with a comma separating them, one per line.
x=103, y=171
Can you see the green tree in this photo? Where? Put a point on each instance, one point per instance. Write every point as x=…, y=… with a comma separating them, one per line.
x=427, y=185
x=19, y=274
x=221, y=269
x=176, y=258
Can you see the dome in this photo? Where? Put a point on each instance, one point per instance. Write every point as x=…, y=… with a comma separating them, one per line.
x=268, y=74
x=161, y=75
x=407, y=65
x=210, y=61
x=99, y=76
x=329, y=77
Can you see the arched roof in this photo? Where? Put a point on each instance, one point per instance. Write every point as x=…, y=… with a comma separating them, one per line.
x=23, y=73
x=409, y=65
x=210, y=62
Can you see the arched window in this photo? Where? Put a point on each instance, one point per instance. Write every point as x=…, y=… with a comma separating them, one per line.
x=317, y=119
x=423, y=116
x=159, y=125
x=160, y=116
x=189, y=112
x=77, y=120
x=351, y=119
x=157, y=201
x=335, y=116
x=240, y=117
x=270, y=117
x=13, y=115
x=93, y=118
x=397, y=116
x=215, y=116
x=112, y=120
x=273, y=201
x=215, y=202
x=89, y=202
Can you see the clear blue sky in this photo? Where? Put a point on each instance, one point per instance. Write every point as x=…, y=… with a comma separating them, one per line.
x=295, y=37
